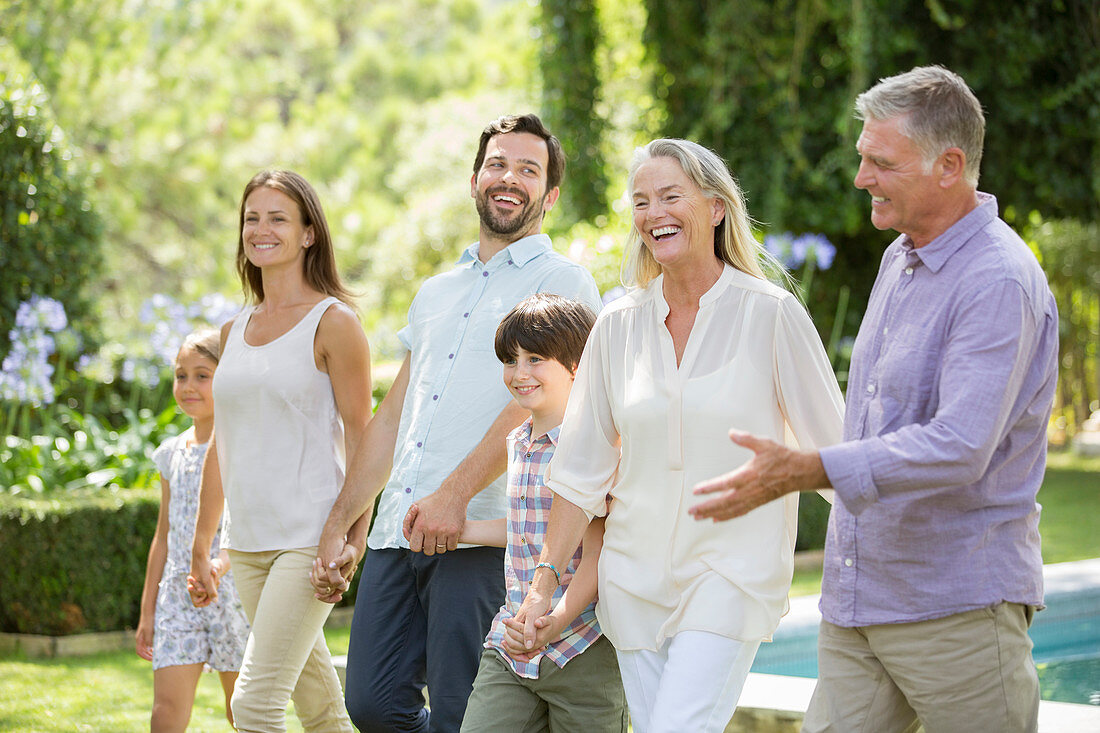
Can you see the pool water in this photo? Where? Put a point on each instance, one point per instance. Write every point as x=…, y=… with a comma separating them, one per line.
x=1066, y=636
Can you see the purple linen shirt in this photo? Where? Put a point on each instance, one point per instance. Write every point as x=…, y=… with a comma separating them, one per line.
x=949, y=395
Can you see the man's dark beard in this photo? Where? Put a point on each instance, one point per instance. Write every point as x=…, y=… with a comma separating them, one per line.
x=521, y=220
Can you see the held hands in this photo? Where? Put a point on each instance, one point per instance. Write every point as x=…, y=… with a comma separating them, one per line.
x=773, y=471
x=535, y=608
x=434, y=523
x=202, y=583
x=330, y=581
x=547, y=629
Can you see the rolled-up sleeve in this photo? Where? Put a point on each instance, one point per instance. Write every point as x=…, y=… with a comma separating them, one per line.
x=587, y=457
x=982, y=365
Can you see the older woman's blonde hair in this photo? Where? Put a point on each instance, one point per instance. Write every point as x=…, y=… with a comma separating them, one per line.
x=734, y=242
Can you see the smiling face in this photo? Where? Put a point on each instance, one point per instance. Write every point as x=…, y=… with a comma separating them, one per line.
x=272, y=232
x=539, y=385
x=905, y=191
x=193, y=384
x=510, y=187
x=674, y=218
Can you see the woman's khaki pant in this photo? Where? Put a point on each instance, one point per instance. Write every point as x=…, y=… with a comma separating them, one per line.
x=286, y=656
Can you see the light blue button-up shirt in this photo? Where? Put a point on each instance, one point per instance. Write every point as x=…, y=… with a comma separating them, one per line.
x=456, y=389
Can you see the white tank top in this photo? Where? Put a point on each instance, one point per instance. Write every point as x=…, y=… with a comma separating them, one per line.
x=280, y=439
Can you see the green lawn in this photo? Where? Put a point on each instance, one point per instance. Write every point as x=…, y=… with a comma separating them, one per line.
x=105, y=692
x=114, y=691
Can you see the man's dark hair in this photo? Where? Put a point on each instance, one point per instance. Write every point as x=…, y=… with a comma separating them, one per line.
x=555, y=168
x=548, y=325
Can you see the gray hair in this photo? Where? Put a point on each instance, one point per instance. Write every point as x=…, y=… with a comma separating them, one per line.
x=734, y=242
x=937, y=109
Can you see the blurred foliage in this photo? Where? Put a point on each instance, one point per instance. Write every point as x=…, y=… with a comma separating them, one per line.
x=49, y=236
x=1070, y=253
x=571, y=90
x=813, y=521
x=176, y=105
x=172, y=106
x=75, y=450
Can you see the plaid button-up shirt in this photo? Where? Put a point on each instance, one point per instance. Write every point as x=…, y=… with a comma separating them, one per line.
x=528, y=513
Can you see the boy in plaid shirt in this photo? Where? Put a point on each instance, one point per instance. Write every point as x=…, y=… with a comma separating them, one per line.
x=570, y=680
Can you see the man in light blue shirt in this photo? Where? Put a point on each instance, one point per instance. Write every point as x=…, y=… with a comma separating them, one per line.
x=424, y=603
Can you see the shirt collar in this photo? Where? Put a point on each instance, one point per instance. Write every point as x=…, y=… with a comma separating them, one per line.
x=936, y=253
x=522, y=434
x=656, y=288
x=519, y=252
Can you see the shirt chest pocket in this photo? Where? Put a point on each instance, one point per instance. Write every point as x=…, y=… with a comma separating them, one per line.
x=481, y=331
x=909, y=372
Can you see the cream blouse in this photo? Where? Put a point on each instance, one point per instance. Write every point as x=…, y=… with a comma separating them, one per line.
x=753, y=362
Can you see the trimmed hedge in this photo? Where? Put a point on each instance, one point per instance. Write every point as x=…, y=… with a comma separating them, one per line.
x=77, y=563
x=813, y=521
x=74, y=564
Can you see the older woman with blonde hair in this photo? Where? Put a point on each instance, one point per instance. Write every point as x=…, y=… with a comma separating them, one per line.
x=702, y=343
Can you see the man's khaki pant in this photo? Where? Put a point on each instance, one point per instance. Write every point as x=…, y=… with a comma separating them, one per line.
x=971, y=671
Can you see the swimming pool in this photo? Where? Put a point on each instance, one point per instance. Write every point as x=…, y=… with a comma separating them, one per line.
x=1066, y=636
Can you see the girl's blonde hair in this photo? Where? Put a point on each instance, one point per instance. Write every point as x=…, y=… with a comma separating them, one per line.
x=206, y=341
x=734, y=242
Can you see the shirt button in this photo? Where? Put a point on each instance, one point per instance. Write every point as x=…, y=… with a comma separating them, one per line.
x=419, y=444
x=870, y=389
x=528, y=455
x=465, y=315
x=408, y=490
x=485, y=274
x=848, y=562
x=435, y=397
x=523, y=497
x=450, y=356
x=908, y=270
x=523, y=540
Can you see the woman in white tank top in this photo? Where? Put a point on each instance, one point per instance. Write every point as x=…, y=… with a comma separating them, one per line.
x=292, y=401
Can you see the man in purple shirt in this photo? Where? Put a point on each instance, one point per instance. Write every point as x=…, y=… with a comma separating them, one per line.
x=932, y=564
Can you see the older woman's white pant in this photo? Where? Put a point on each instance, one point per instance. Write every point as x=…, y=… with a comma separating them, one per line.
x=692, y=683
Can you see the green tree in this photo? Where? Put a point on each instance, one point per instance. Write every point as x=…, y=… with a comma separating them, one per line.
x=49, y=236
x=571, y=91
x=175, y=105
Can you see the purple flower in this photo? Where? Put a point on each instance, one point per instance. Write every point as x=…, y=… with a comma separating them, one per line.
x=26, y=372
x=214, y=309
x=159, y=308
x=781, y=246
x=793, y=252
x=141, y=371
x=817, y=246
x=41, y=314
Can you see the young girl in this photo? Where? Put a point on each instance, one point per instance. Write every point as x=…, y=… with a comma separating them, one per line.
x=177, y=637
